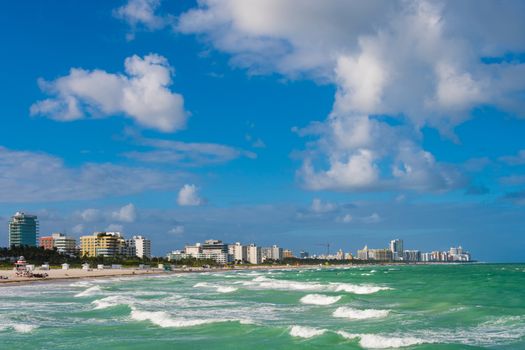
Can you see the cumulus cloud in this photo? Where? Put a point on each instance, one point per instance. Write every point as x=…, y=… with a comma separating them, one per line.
x=114, y=228
x=91, y=215
x=189, y=196
x=372, y=219
x=345, y=219
x=422, y=63
x=177, y=230
x=77, y=229
x=127, y=213
x=40, y=177
x=141, y=12
x=318, y=206
x=187, y=153
x=142, y=94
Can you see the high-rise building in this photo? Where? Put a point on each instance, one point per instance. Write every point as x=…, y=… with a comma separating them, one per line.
x=46, y=242
x=287, y=253
x=304, y=254
x=62, y=243
x=266, y=253
x=142, y=247
x=412, y=255
x=254, y=254
x=277, y=253
x=362, y=254
x=106, y=244
x=396, y=247
x=23, y=230
x=238, y=252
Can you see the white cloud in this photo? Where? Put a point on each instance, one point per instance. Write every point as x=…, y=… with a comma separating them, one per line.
x=177, y=230
x=127, y=213
x=189, y=196
x=114, y=228
x=345, y=219
x=372, y=219
x=77, y=229
x=141, y=94
x=141, y=12
x=39, y=177
x=91, y=215
x=359, y=170
x=419, y=62
x=187, y=153
x=318, y=206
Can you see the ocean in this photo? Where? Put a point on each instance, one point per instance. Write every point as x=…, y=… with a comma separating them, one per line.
x=469, y=306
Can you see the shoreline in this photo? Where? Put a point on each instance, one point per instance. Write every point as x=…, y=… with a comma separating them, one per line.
x=57, y=275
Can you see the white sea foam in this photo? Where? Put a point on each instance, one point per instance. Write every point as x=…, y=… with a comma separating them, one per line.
x=358, y=289
x=111, y=301
x=318, y=299
x=374, y=341
x=23, y=328
x=224, y=289
x=164, y=320
x=88, y=292
x=305, y=332
x=269, y=283
x=355, y=314
x=218, y=288
x=81, y=284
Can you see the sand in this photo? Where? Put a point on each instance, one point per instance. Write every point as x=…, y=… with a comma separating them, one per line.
x=57, y=274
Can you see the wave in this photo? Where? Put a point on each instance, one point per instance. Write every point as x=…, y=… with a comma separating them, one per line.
x=358, y=289
x=218, y=288
x=355, y=314
x=223, y=289
x=374, y=341
x=305, y=332
x=88, y=292
x=318, y=299
x=164, y=320
x=23, y=328
x=111, y=301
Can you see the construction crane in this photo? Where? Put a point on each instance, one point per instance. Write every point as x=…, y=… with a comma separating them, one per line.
x=327, y=245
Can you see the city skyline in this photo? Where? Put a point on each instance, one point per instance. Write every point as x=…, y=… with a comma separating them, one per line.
x=256, y=127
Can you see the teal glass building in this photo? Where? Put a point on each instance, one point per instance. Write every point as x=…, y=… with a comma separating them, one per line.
x=23, y=230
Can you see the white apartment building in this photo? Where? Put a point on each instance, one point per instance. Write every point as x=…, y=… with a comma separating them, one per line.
x=238, y=252
x=63, y=243
x=142, y=247
x=254, y=254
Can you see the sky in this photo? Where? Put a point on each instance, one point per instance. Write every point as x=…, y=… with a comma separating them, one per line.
x=287, y=122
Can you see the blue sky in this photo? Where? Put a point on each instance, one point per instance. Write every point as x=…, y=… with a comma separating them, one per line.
x=263, y=121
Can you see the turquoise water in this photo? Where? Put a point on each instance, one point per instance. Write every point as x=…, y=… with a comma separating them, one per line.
x=416, y=307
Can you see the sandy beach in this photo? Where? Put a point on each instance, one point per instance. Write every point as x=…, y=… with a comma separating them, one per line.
x=58, y=274
x=78, y=273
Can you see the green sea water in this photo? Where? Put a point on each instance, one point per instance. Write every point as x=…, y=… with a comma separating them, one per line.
x=471, y=306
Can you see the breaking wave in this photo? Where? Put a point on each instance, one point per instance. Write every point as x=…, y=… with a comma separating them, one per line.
x=164, y=320
x=88, y=292
x=318, y=299
x=355, y=314
x=268, y=283
x=373, y=341
x=305, y=332
x=218, y=288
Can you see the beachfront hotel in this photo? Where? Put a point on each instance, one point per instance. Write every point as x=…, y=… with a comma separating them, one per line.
x=138, y=246
x=23, y=230
x=105, y=244
x=63, y=244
